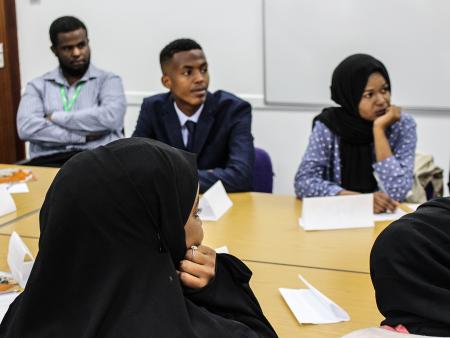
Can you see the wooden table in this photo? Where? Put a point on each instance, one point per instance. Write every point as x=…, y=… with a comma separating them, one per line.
x=28, y=203
x=26, y=226
x=264, y=228
x=352, y=291
x=261, y=229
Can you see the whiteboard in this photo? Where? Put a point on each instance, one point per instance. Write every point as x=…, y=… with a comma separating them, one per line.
x=304, y=40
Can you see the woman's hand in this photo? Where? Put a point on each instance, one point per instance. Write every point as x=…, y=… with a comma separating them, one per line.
x=392, y=115
x=383, y=203
x=198, y=268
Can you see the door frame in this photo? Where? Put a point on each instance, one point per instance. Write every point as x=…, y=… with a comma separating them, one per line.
x=12, y=149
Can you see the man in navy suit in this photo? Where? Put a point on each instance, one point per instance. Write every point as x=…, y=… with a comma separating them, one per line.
x=216, y=126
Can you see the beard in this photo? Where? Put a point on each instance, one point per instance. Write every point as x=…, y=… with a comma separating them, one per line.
x=74, y=71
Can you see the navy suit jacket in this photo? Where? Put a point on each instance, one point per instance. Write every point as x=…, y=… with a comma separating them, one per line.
x=223, y=140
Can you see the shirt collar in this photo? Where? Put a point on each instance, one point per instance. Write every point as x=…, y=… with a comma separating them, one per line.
x=183, y=117
x=57, y=76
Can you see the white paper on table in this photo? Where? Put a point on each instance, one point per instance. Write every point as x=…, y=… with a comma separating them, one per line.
x=214, y=203
x=310, y=306
x=6, y=300
x=389, y=216
x=412, y=206
x=20, y=260
x=337, y=212
x=7, y=204
x=16, y=188
x=222, y=249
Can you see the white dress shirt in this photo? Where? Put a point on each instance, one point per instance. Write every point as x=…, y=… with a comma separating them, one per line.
x=184, y=118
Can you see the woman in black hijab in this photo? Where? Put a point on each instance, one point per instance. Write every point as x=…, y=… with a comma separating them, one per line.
x=115, y=227
x=365, y=134
x=410, y=270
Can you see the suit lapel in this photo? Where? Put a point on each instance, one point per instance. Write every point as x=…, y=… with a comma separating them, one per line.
x=204, y=124
x=172, y=125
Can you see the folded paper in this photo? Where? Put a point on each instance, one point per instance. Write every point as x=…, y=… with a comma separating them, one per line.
x=20, y=260
x=337, y=212
x=7, y=204
x=214, y=202
x=310, y=306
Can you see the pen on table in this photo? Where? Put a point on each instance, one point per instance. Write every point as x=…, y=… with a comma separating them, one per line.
x=401, y=206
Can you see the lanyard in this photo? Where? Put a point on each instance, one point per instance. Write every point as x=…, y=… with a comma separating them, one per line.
x=68, y=104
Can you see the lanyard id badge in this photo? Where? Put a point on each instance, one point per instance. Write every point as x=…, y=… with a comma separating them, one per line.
x=68, y=104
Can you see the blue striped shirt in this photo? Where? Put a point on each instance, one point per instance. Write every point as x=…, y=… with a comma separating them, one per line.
x=99, y=109
x=319, y=173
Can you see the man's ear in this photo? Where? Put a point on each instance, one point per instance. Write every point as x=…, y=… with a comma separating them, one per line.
x=53, y=49
x=166, y=82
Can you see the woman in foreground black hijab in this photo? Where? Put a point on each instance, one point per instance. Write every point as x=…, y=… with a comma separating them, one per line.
x=365, y=134
x=115, y=226
x=410, y=270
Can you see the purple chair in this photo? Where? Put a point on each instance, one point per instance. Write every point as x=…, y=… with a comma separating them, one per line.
x=262, y=172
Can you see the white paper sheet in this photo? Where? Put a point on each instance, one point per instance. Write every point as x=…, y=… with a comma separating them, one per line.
x=214, y=202
x=337, y=212
x=310, y=306
x=399, y=212
x=20, y=260
x=412, y=206
x=16, y=188
x=5, y=300
x=389, y=216
x=223, y=249
x=7, y=204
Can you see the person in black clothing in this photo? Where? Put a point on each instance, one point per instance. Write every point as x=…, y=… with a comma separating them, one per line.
x=410, y=270
x=120, y=255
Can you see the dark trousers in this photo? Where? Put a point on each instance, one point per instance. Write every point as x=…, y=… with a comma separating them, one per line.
x=55, y=160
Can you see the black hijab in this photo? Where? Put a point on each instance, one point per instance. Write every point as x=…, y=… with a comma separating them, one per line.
x=410, y=270
x=112, y=231
x=356, y=137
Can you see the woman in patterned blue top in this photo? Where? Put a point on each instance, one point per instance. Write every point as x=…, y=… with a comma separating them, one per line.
x=365, y=145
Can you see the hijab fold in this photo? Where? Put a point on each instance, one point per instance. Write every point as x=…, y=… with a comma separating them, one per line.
x=355, y=133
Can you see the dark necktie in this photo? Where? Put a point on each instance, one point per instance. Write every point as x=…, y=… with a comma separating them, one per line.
x=190, y=125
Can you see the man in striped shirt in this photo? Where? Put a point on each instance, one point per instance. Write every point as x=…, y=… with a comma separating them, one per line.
x=73, y=107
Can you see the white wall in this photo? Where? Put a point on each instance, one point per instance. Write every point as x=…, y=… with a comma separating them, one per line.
x=231, y=34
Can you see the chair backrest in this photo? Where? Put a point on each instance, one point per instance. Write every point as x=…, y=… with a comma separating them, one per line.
x=262, y=172
x=428, y=180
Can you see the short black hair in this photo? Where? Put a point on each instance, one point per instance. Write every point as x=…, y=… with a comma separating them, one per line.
x=179, y=45
x=64, y=24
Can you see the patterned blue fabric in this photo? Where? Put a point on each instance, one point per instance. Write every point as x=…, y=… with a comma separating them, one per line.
x=319, y=173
